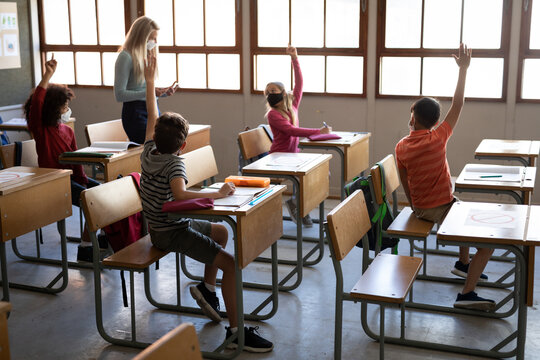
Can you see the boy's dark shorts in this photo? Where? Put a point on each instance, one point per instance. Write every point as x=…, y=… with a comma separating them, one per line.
x=193, y=241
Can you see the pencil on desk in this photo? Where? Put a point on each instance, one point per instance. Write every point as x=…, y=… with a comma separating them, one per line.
x=490, y=176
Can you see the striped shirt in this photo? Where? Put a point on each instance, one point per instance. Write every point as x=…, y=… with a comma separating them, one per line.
x=157, y=172
x=423, y=155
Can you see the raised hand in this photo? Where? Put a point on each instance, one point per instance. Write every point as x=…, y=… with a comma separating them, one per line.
x=50, y=66
x=150, y=68
x=291, y=50
x=463, y=59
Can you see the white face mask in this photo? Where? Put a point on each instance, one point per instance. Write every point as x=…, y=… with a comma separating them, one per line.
x=64, y=118
x=150, y=45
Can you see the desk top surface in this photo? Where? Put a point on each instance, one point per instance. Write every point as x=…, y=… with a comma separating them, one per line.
x=286, y=163
x=348, y=138
x=492, y=223
x=528, y=176
x=500, y=147
x=134, y=151
x=20, y=182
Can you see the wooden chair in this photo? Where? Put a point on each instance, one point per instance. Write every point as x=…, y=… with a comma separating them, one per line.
x=111, y=130
x=387, y=280
x=253, y=143
x=200, y=165
x=29, y=157
x=181, y=342
x=5, y=308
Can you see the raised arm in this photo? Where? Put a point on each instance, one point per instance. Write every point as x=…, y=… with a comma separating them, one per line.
x=298, y=79
x=463, y=59
x=151, y=105
x=50, y=68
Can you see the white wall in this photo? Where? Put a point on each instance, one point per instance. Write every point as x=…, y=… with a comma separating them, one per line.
x=386, y=119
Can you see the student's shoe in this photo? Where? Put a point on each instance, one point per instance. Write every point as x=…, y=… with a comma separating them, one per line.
x=103, y=242
x=85, y=253
x=207, y=301
x=307, y=222
x=472, y=301
x=291, y=206
x=461, y=270
x=253, y=342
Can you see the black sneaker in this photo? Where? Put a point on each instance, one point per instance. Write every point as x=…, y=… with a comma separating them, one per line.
x=103, y=242
x=207, y=301
x=291, y=206
x=307, y=222
x=253, y=342
x=461, y=270
x=472, y=301
x=85, y=253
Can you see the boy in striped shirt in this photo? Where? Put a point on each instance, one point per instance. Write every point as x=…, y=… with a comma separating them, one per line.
x=425, y=176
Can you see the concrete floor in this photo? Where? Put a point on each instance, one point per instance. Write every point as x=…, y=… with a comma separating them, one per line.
x=63, y=326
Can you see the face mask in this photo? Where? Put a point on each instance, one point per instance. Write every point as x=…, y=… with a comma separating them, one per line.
x=274, y=99
x=150, y=45
x=64, y=118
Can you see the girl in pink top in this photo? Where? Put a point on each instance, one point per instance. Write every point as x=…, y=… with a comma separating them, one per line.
x=282, y=117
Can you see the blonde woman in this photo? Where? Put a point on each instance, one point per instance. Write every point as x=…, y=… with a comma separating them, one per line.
x=129, y=83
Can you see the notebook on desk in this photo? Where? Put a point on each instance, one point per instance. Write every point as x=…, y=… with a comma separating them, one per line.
x=493, y=173
x=241, y=196
x=102, y=149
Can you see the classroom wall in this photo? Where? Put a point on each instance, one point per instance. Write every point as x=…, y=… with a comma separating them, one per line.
x=386, y=119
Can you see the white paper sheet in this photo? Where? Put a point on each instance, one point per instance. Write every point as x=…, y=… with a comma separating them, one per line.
x=493, y=173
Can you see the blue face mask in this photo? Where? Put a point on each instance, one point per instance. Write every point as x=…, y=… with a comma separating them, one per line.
x=274, y=99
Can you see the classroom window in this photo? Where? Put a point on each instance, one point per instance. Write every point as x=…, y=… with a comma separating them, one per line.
x=331, y=38
x=84, y=36
x=529, y=60
x=199, y=43
x=417, y=38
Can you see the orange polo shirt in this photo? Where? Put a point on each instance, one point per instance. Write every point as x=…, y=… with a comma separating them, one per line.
x=423, y=155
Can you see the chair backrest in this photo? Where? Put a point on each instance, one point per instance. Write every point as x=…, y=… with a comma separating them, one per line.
x=391, y=177
x=254, y=142
x=348, y=223
x=29, y=155
x=179, y=343
x=110, y=202
x=200, y=165
x=106, y=131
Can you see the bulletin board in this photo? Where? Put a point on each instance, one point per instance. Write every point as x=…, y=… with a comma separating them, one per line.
x=10, y=53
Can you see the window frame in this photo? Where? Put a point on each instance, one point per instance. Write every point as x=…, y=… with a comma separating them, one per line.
x=204, y=49
x=360, y=51
x=382, y=51
x=73, y=48
x=524, y=51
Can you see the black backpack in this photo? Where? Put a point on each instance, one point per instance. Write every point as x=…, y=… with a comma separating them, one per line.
x=362, y=183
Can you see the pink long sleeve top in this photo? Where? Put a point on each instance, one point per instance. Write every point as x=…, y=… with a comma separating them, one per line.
x=285, y=132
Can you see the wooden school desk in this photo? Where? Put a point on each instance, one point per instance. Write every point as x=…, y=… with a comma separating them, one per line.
x=353, y=151
x=524, y=151
x=502, y=226
x=198, y=136
x=466, y=183
x=20, y=125
x=28, y=203
x=309, y=175
x=250, y=240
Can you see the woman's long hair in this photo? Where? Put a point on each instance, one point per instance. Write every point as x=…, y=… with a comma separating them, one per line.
x=135, y=44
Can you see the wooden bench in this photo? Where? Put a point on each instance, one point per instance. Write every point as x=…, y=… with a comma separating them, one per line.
x=388, y=279
x=179, y=343
x=5, y=308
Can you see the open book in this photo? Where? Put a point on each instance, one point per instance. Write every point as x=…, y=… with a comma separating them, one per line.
x=241, y=196
x=493, y=172
x=102, y=149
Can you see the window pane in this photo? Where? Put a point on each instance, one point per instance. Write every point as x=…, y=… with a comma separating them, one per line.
x=112, y=28
x=188, y=20
x=344, y=74
x=342, y=23
x=531, y=73
x=65, y=71
x=439, y=77
x=192, y=71
x=55, y=16
x=312, y=72
x=482, y=23
x=485, y=78
x=88, y=68
x=83, y=22
x=224, y=71
x=269, y=68
x=535, y=26
x=307, y=23
x=273, y=23
x=400, y=75
x=109, y=59
x=442, y=24
x=403, y=23
x=220, y=22
x=166, y=70
x=161, y=12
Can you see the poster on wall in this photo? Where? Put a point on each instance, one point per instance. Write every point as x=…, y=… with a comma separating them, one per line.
x=10, y=55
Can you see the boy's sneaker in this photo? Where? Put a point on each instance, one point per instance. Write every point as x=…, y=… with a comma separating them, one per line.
x=472, y=301
x=253, y=342
x=85, y=253
x=291, y=206
x=461, y=270
x=307, y=222
x=207, y=301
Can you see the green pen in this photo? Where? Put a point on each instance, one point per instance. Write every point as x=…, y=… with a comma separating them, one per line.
x=490, y=176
